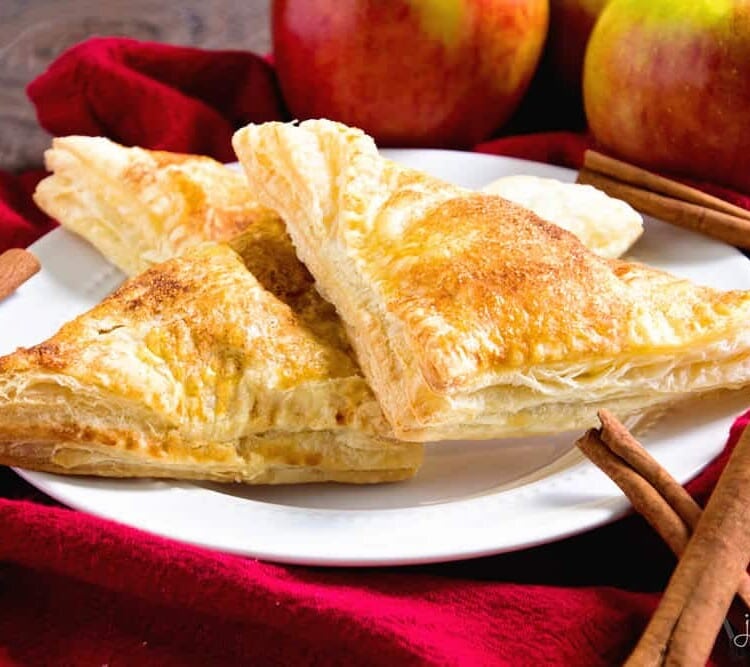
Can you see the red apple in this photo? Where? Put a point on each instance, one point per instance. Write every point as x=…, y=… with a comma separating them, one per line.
x=667, y=85
x=409, y=72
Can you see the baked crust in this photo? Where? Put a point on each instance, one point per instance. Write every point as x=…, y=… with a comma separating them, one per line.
x=193, y=370
x=140, y=207
x=470, y=315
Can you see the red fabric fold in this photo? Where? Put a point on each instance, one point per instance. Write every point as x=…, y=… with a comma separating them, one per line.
x=21, y=222
x=80, y=590
x=163, y=97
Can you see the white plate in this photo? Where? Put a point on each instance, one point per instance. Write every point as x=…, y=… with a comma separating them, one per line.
x=470, y=499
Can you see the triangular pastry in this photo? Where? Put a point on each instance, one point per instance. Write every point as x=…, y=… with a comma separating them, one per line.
x=140, y=207
x=471, y=317
x=192, y=370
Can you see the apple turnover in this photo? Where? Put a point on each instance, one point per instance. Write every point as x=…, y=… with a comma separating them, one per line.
x=471, y=316
x=140, y=207
x=192, y=370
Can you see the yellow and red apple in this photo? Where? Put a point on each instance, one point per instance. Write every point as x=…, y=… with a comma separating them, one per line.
x=409, y=72
x=667, y=85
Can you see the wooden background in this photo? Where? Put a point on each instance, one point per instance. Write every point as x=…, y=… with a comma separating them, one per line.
x=34, y=32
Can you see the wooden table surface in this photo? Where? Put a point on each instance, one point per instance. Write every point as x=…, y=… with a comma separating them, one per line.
x=34, y=32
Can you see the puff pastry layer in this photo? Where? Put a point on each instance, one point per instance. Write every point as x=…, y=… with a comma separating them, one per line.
x=140, y=207
x=471, y=316
x=193, y=370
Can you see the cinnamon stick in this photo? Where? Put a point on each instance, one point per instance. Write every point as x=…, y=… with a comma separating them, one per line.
x=644, y=498
x=16, y=267
x=648, y=486
x=621, y=444
x=722, y=226
x=683, y=629
x=629, y=173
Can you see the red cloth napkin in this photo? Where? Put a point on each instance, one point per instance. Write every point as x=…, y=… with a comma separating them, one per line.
x=77, y=590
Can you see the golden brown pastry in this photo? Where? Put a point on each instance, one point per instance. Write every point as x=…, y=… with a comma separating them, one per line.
x=471, y=316
x=140, y=207
x=192, y=370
